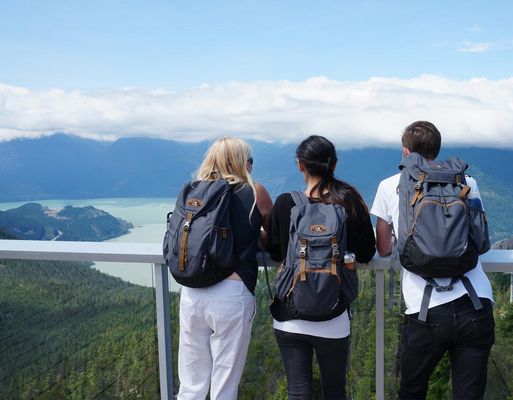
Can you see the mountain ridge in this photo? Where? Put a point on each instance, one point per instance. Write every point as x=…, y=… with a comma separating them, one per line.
x=63, y=166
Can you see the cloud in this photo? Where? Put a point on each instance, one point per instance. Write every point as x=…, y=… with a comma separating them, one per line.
x=353, y=114
x=474, y=47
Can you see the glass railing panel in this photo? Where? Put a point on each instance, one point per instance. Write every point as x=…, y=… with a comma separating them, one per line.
x=69, y=331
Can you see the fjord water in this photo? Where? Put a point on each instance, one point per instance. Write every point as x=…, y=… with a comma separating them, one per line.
x=147, y=215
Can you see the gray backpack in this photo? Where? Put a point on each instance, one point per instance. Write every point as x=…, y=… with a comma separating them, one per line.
x=441, y=230
x=198, y=244
x=313, y=282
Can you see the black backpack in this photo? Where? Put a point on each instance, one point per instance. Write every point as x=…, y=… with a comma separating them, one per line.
x=314, y=283
x=198, y=244
x=441, y=230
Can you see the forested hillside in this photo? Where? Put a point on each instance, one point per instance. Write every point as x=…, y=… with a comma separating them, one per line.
x=70, y=332
x=32, y=221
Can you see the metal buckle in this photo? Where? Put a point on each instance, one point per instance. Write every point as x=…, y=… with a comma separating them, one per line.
x=336, y=252
x=302, y=252
x=447, y=288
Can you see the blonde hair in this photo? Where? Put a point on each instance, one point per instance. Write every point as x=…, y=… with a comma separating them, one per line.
x=226, y=159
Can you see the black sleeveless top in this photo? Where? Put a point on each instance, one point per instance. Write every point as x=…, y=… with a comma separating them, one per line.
x=246, y=232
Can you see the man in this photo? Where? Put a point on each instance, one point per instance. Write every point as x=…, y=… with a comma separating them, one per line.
x=453, y=324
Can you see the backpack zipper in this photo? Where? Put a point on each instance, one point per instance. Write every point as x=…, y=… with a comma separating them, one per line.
x=425, y=202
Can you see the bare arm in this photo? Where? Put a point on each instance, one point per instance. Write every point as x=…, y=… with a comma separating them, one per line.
x=384, y=237
x=264, y=204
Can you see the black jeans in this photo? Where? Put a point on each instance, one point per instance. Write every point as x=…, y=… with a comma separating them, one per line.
x=297, y=353
x=467, y=334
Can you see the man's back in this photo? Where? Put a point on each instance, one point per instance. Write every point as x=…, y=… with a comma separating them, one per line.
x=453, y=323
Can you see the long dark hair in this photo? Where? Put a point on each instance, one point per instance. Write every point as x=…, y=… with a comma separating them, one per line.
x=319, y=158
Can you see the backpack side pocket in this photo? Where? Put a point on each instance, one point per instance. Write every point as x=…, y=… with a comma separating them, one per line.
x=348, y=285
x=221, y=248
x=283, y=281
x=478, y=229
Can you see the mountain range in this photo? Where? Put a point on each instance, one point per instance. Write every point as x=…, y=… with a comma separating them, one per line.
x=68, y=167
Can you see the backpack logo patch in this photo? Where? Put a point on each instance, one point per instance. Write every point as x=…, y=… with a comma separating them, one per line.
x=318, y=228
x=195, y=203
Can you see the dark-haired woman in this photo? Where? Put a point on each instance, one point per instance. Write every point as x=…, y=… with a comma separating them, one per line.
x=296, y=338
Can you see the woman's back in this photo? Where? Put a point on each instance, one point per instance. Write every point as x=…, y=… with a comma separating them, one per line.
x=297, y=338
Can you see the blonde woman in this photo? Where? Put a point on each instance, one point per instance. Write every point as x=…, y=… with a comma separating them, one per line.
x=216, y=321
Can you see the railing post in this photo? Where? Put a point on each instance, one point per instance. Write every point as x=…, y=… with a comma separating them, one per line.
x=511, y=290
x=164, y=332
x=380, y=334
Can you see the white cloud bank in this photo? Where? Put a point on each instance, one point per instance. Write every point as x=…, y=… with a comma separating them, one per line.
x=353, y=114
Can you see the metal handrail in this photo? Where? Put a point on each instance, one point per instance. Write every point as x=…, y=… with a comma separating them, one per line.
x=493, y=261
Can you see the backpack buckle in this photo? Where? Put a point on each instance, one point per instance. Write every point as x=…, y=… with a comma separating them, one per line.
x=336, y=251
x=302, y=252
x=302, y=249
x=187, y=223
x=419, y=183
x=334, y=247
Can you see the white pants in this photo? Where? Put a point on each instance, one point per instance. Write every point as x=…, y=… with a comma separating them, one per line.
x=215, y=329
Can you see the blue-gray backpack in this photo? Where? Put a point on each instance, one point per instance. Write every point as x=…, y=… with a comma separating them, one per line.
x=441, y=230
x=198, y=244
x=313, y=282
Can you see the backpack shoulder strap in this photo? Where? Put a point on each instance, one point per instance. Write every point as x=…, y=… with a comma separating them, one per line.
x=299, y=198
x=472, y=293
x=431, y=283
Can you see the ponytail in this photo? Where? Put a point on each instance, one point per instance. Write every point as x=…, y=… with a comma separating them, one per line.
x=319, y=158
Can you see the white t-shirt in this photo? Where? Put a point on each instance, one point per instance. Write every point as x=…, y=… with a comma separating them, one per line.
x=336, y=328
x=386, y=207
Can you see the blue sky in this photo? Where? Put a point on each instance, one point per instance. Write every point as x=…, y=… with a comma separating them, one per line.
x=181, y=44
x=64, y=62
